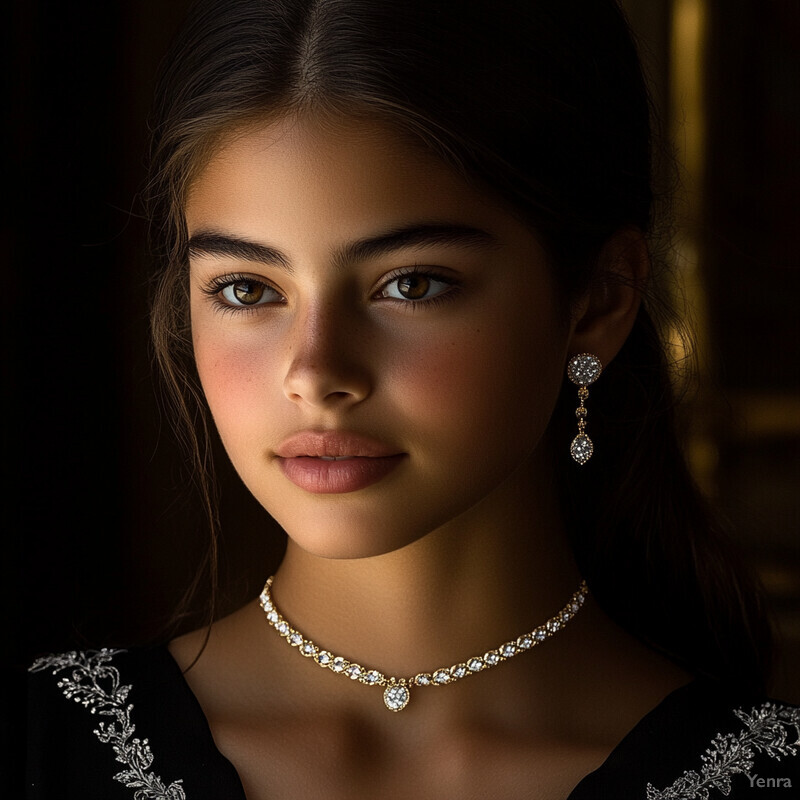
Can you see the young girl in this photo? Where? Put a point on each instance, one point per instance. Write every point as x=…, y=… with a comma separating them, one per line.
x=406, y=270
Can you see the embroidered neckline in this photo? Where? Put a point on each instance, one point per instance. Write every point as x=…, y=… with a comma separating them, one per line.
x=766, y=730
x=95, y=684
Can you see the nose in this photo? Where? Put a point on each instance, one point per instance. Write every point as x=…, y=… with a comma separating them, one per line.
x=326, y=362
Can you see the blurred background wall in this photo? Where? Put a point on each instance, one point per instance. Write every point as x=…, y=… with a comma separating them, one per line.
x=101, y=536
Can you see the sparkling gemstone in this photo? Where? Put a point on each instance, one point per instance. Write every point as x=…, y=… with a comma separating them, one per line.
x=324, y=658
x=423, y=679
x=308, y=649
x=372, y=677
x=396, y=697
x=553, y=625
x=574, y=607
x=296, y=639
x=508, y=649
x=441, y=676
x=273, y=617
x=265, y=603
x=581, y=448
x=491, y=658
x=339, y=664
x=353, y=671
x=525, y=642
x=564, y=616
x=475, y=664
x=459, y=670
x=283, y=628
x=540, y=634
x=584, y=369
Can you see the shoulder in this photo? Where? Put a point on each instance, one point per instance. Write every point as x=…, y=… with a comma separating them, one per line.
x=115, y=724
x=705, y=740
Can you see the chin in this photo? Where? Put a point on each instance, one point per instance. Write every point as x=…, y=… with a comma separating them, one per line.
x=347, y=536
x=340, y=546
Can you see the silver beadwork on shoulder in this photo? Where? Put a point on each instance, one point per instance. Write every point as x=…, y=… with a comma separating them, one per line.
x=95, y=684
x=766, y=730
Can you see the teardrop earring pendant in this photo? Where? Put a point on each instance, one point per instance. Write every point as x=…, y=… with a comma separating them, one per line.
x=583, y=370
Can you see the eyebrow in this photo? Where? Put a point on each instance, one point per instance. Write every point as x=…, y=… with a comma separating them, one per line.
x=416, y=236
x=216, y=243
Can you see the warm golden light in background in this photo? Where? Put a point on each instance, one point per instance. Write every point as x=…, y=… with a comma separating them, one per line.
x=724, y=79
x=687, y=129
x=687, y=46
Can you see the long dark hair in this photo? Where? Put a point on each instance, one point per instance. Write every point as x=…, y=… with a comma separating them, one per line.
x=543, y=105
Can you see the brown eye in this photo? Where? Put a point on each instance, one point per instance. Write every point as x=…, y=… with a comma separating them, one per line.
x=417, y=287
x=413, y=287
x=249, y=293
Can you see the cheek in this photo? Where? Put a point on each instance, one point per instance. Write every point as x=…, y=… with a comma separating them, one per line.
x=233, y=378
x=495, y=381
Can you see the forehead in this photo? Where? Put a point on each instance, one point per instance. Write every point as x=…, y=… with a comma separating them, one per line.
x=345, y=175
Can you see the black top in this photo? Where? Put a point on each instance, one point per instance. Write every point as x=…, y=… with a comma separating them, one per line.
x=114, y=724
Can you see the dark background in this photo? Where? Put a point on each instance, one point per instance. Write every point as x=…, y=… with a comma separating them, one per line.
x=100, y=531
x=100, y=506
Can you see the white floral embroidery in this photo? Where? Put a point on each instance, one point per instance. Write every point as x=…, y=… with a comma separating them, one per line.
x=766, y=731
x=95, y=684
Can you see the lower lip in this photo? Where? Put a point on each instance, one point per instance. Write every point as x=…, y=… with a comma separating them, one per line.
x=337, y=477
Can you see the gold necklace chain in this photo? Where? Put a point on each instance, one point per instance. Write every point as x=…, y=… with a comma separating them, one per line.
x=397, y=691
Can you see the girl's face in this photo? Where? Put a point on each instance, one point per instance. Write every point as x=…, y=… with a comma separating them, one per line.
x=354, y=299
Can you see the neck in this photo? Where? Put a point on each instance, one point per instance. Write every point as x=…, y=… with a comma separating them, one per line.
x=479, y=582
x=496, y=572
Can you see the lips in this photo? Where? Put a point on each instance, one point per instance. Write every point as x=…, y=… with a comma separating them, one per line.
x=333, y=462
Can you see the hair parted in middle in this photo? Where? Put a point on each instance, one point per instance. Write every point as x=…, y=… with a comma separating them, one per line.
x=544, y=107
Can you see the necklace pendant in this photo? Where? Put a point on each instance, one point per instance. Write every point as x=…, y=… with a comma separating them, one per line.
x=397, y=691
x=396, y=696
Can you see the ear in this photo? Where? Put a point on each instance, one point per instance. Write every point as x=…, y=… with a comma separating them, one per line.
x=604, y=316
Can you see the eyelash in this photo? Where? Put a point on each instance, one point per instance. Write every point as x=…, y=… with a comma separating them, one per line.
x=216, y=286
x=425, y=272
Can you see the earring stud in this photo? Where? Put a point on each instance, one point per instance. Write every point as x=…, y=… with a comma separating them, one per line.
x=583, y=370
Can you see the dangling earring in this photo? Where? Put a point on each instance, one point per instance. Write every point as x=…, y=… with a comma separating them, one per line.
x=582, y=370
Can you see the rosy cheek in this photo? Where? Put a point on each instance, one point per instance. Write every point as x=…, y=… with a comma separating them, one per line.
x=462, y=383
x=232, y=376
x=436, y=374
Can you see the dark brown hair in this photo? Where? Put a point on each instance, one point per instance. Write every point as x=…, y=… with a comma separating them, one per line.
x=542, y=104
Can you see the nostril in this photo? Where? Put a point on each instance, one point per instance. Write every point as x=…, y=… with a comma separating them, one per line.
x=335, y=384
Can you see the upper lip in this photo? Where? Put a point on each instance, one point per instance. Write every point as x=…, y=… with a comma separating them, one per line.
x=333, y=444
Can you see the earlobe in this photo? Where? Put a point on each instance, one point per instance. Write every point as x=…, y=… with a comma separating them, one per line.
x=606, y=313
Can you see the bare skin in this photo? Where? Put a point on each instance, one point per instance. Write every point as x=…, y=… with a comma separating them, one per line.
x=461, y=547
x=531, y=728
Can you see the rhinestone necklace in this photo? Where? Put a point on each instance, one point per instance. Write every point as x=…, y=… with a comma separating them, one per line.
x=397, y=691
